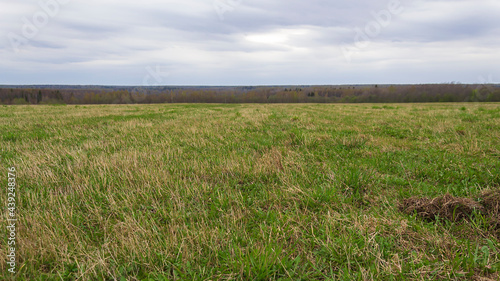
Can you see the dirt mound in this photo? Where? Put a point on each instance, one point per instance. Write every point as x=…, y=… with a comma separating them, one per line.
x=447, y=206
x=457, y=208
x=491, y=203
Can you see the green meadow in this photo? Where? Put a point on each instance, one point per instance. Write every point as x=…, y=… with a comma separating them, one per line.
x=248, y=191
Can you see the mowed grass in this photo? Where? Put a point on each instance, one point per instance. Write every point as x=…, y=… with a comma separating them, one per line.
x=248, y=192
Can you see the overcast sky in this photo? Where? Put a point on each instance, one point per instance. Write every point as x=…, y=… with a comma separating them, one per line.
x=248, y=42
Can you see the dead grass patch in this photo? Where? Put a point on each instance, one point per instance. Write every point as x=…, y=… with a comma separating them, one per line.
x=447, y=206
x=491, y=203
x=270, y=162
x=456, y=209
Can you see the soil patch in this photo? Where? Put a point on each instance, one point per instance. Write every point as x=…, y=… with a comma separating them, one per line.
x=491, y=203
x=456, y=208
x=447, y=206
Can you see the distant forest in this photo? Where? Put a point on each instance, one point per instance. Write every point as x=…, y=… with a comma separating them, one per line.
x=251, y=94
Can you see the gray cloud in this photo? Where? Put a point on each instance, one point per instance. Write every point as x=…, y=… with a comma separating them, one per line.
x=252, y=42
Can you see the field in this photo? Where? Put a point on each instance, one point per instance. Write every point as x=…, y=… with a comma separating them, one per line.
x=249, y=192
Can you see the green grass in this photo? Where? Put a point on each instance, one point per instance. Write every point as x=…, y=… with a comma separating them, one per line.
x=247, y=192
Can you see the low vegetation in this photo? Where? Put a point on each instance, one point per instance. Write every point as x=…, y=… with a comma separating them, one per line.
x=253, y=192
x=250, y=94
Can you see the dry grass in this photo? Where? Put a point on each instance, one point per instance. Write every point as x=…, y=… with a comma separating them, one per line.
x=252, y=192
x=457, y=209
x=446, y=207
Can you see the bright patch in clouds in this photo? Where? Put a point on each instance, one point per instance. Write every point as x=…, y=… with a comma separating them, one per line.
x=270, y=38
x=277, y=37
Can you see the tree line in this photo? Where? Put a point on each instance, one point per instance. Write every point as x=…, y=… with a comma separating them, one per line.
x=251, y=94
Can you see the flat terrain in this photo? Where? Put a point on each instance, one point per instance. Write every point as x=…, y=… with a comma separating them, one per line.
x=248, y=192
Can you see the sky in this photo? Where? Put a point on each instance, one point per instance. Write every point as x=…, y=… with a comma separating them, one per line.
x=249, y=42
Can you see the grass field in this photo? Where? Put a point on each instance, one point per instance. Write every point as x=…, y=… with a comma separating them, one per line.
x=248, y=192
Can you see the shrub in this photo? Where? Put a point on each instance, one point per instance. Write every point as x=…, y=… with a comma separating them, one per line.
x=19, y=101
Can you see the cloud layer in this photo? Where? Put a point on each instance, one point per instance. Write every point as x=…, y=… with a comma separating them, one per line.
x=241, y=42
